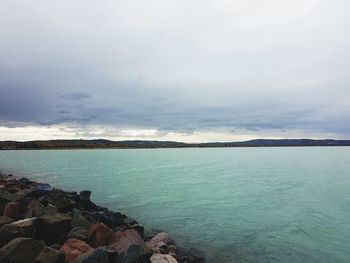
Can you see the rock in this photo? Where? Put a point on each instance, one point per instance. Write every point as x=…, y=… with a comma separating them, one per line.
x=121, y=228
x=139, y=228
x=35, y=209
x=5, y=220
x=23, y=180
x=39, y=190
x=96, y=256
x=20, y=250
x=64, y=202
x=111, y=252
x=129, y=221
x=109, y=218
x=123, y=240
x=12, y=209
x=74, y=248
x=84, y=201
x=135, y=254
x=161, y=243
x=192, y=259
x=56, y=246
x=81, y=218
x=163, y=248
x=79, y=233
x=5, y=197
x=50, y=255
x=21, y=228
x=85, y=195
x=43, y=187
x=99, y=235
x=160, y=258
x=190, y=255
x=53, y=228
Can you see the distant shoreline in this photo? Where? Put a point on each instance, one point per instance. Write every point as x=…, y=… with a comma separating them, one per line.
x=139, y=144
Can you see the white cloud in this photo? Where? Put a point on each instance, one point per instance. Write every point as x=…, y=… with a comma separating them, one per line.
x=176, y=65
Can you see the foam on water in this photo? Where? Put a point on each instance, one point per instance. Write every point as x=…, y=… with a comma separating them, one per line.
x=237, y=204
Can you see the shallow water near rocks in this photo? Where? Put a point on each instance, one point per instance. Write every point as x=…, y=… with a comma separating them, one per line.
x=236, y=204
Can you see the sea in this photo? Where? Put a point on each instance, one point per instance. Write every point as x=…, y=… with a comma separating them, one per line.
x=265, y=204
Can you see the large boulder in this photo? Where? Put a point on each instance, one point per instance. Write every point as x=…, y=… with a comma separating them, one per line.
x=161, y=258
x=121, y=241
x=20, y=250
x=53, y=228
x=50, y=255
x=21, y=228
x=99, y=235
x=74, y=248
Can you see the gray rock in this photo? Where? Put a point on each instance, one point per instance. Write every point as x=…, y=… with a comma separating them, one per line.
x=134, y=254
x=111, y=252
x=5, y=220
x=5, y=197
x=35, y=209
x=53, y=228
x=129, y=221
x=64, y=201
x=20, y=250
x=21, y=228
x=81, y=218
x=109, y=218
x=96, y=256
x=50, y=255
x=79, y=233
x=85, y=195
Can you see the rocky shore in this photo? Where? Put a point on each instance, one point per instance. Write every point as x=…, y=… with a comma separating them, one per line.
x=43, y=224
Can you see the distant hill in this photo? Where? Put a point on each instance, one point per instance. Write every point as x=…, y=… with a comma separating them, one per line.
x=138, y=144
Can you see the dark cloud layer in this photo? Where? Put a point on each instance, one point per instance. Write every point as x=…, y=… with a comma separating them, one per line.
x=233, y=65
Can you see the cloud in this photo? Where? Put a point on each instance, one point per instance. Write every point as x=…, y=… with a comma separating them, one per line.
x=176, y=66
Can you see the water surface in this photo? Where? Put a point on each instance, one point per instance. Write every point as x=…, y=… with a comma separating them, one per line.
x=237, y=204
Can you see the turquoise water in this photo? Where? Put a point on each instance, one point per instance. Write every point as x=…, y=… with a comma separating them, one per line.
x=236, y=204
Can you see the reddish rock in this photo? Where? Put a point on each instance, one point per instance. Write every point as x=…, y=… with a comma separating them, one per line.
x=123, y=240
x=12, y=209
x=74, y=248
x=99, y=235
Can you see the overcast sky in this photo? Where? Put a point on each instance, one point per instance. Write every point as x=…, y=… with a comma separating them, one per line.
x=184, y=70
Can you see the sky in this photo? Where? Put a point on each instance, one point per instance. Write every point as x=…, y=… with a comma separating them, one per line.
x=184, y=70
